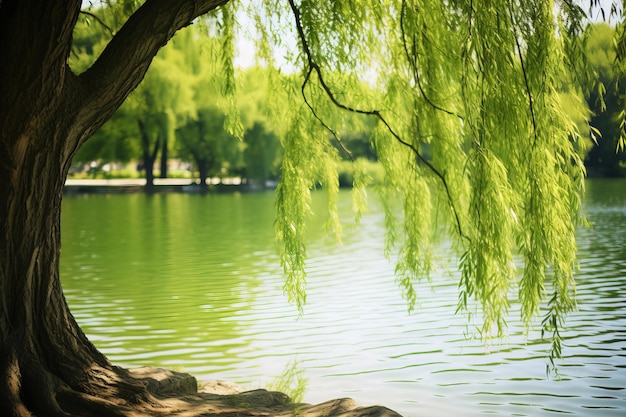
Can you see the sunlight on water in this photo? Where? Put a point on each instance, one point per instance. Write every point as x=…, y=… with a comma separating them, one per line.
x=193, y=283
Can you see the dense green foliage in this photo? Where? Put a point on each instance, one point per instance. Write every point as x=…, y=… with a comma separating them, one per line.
x=606, y=104
x=477, y=87
x=471, y=108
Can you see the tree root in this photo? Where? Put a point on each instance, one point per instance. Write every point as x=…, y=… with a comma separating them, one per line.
x=148, y=392
x=28, y=389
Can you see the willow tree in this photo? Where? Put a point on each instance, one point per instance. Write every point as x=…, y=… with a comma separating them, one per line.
x=476, y=82
x=478, y=85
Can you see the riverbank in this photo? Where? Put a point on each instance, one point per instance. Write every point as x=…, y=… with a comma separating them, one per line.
x=179, y=393
x=125, y=185
x=133, y=185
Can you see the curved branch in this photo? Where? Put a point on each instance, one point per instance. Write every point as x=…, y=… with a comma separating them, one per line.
x=100, y=21
x=531, y=105
x=313, y=66
x=319, y=119
x=412, y=59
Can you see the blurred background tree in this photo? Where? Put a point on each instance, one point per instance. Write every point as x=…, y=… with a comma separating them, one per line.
x=606, y=105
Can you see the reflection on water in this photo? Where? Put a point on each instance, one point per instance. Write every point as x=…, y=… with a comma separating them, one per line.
x=192, y=282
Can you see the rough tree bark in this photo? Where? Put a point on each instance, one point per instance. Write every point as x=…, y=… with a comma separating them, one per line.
x=47, y=365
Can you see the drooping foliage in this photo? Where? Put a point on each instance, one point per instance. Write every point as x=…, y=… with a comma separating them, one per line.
x=117, y=140
x=472, y=127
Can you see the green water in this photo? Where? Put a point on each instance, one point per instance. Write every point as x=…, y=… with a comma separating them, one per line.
x=192, y=282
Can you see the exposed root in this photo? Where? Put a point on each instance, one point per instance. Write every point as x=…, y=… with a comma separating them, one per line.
x=28, y=389
x=10, y=377
x=150, y=392
x=80, y=404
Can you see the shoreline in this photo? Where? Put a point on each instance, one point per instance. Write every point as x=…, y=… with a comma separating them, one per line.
x=182, y=393
x=135, y=185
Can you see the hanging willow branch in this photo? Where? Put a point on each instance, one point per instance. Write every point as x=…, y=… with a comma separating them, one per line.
x=313, y=67
x=531, y=105
x=411, y=57
x=100, y=21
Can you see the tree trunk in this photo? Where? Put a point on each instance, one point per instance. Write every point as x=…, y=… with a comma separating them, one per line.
x=149, y=156
x=164, y=157
x=47, y=365
x=203, y=171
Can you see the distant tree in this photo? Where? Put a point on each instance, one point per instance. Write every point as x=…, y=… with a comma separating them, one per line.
x=205, y=141
x=262, y=99
x=156, y=104
x=261, y=155
x=116, y=141
x=606, y=104
x=210, y=123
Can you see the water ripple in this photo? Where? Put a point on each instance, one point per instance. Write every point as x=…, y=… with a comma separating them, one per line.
x=194, y=283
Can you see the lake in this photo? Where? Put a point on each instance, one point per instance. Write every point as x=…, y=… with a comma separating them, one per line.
x=192, y=283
